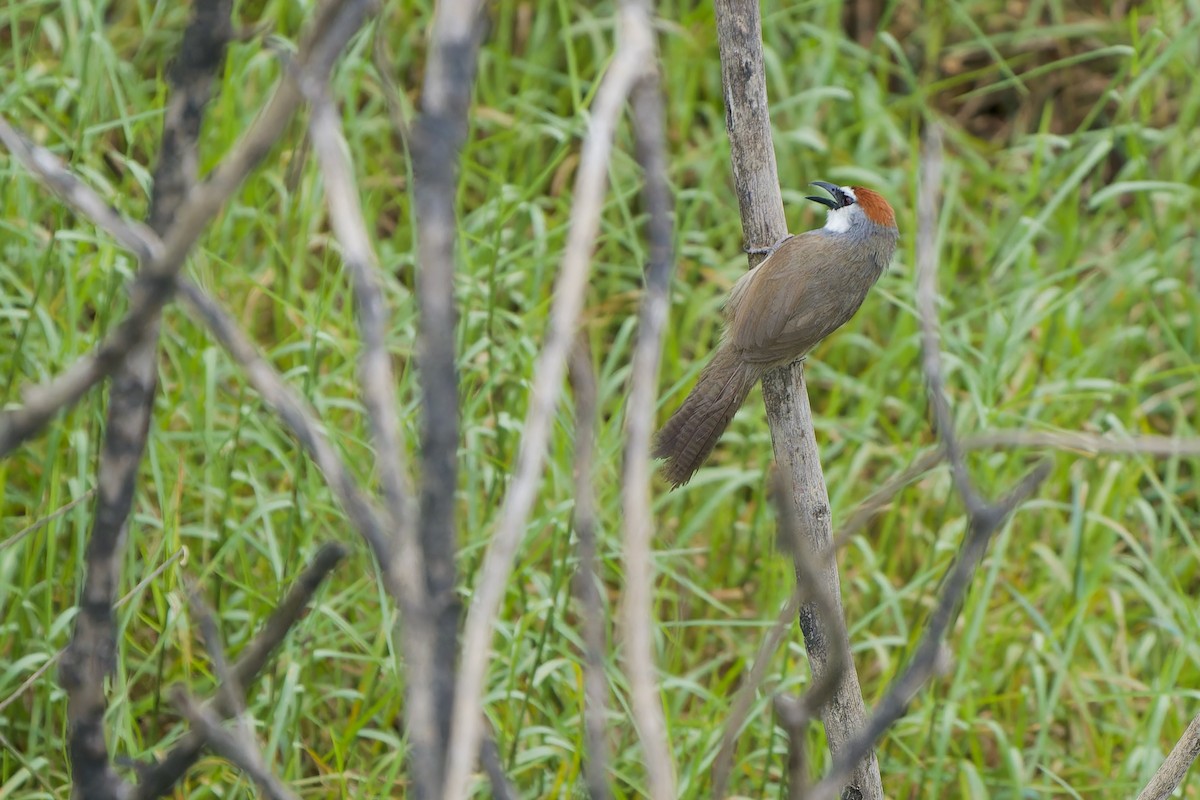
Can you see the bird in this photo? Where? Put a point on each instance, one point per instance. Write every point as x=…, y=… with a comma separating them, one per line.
x=809, y=285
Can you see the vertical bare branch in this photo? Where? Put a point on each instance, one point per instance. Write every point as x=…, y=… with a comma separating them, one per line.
x=739, y=32
x=627, y=67
x=436, y=142
x=794, y=717
x=595, y=765
x=638, y=608
x=91, y=655
x=375, y=363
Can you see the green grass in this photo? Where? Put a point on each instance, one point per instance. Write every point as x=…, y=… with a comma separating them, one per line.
x=1070, y=273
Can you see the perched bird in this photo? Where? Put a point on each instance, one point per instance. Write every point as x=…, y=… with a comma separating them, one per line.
x=808, y=287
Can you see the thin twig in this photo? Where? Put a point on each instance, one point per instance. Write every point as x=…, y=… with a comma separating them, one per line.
x=375, y=365
x=489, y=758
x=587, y=577
x=229, y=689
x=403, y=558
x=1142, y=444
x=626, y=68
x=294, y=412
x=53, y=173
x=925, y=660
x=793, y=716
x=743, y=700
x=241, y=751
x=810, y=597
x=638, y=608
x=1148, y=445
x=158, y=780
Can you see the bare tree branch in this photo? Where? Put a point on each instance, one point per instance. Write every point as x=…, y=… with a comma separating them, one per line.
x=743, y=700
x=1175, y=768
x=375, y=365
x=1158, y=446
x=794, y=717
x=436, y=142
x=158, y=780
x=58, y=178
x=240, y=750
x=984, y=518
x=649, y=124
x=489, y=758
x=162, y=261
x=626, y=68
x=811, y=596
x=403, y=557
x=925, y=660
x=747, y=119
x=587, y=578
x=297, y=415
x=91, y=655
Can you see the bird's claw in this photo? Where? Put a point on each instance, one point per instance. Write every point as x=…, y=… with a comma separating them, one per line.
x=769, y=250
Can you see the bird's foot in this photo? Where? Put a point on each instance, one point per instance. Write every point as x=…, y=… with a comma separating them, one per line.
x=769, y=250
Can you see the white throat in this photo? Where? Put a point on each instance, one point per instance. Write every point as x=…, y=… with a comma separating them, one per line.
x=838, y=220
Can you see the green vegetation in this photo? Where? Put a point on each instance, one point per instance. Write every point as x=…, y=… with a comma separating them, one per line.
x=1070, y=269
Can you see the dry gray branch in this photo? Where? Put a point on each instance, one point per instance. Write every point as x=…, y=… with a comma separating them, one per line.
x=402, y=559
x=626, y=68
x=437, y=140
x=739, y=35
x=587, y=578
x=648, y=119
x=375, y=363
x=240, y=750
x=1156, y=446
x=489, y=759
x=91, y=655
x=298, y=416
x=743, y=700
x=924, y=662
x=58, y=178
x=163, y=260
x=1147, y=445
x=793, y=716
x=984, y=518
x=1175, y=768
x=158, y=780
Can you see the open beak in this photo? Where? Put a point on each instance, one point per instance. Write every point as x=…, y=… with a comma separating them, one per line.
x=839, y=197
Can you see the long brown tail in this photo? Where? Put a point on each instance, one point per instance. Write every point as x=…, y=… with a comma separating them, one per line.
x=692, y=432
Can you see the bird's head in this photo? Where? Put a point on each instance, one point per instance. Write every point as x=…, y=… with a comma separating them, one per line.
x=851, y=206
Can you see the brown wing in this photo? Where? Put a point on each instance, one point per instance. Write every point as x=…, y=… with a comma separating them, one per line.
x=786, y=305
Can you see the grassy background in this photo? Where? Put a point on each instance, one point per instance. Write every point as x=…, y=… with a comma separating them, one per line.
x=1071, y=279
